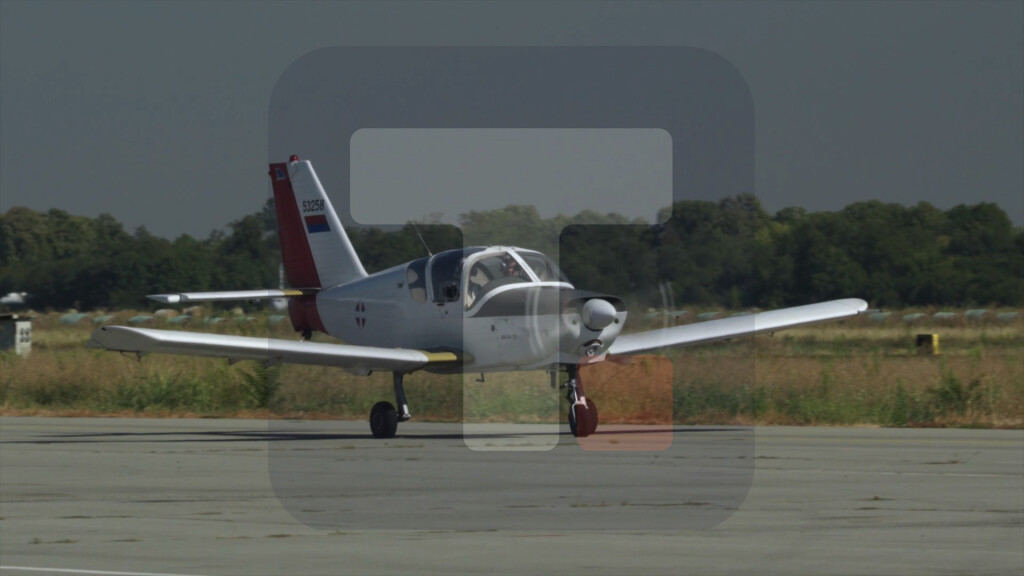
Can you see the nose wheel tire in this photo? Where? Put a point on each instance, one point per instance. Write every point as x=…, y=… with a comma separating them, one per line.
x=591, y=416
x=383, y=420
x=583, y=420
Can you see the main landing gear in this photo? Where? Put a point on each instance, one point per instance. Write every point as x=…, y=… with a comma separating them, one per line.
x=583, y=417
x=582, y=411
x=384, y=418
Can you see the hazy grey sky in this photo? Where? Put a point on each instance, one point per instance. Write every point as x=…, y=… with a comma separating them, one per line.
x=157, y=113
x=399, y=175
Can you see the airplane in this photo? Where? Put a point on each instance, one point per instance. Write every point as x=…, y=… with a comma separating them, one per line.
x=469, y=310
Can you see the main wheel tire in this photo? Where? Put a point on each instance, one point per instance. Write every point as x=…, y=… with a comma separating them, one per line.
x=579, y=421
x=383, y=420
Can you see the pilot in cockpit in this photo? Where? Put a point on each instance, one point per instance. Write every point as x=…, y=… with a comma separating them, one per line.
x=509, y=266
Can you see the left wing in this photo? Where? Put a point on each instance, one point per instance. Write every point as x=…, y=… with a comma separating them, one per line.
x=270, y=350
x=727, y=328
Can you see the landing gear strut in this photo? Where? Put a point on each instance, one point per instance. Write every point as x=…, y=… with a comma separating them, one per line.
x=582, y=411
x=384, y=418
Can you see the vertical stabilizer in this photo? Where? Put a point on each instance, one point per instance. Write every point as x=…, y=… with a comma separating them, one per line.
x=314, y=247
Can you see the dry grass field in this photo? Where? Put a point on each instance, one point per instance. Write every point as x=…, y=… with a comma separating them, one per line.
x=858, y=372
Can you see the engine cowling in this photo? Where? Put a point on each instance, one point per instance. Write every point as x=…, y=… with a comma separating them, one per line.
x=590, y=322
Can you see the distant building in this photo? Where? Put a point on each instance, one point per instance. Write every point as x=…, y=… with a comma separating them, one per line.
x=16, y=333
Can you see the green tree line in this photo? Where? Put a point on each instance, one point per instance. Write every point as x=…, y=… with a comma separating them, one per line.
x=727, y=253
x=733, y=253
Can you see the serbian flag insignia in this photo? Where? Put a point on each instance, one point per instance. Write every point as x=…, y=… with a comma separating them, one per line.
x=317, y=223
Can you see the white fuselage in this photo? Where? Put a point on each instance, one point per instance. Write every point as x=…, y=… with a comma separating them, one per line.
x=526, y=324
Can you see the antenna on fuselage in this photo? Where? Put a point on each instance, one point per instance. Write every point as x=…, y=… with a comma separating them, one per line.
x=429, y=253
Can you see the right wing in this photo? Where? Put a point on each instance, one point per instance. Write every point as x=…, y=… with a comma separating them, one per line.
x=727, y=328
x=270, y=350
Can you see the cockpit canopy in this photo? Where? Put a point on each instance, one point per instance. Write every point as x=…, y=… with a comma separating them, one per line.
x=470, y=273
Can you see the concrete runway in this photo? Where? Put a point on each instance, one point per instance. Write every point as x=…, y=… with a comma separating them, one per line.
x=218, y=497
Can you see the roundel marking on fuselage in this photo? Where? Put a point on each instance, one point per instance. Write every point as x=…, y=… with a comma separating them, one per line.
x=360, y=314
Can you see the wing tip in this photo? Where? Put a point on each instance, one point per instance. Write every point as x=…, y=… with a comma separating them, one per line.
x=859, y=304
x=165, y=298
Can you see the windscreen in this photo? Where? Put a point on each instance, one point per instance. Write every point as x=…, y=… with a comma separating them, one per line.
x=543, y=267
x=489, y=273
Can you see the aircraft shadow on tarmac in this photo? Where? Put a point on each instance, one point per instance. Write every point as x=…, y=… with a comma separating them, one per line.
x=269, y=436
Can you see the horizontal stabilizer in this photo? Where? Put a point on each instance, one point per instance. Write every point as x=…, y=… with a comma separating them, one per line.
x=269, y=350
x=185, y=297
x=737, y=326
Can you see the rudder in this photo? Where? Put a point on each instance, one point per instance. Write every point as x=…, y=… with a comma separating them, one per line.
x=315, y=250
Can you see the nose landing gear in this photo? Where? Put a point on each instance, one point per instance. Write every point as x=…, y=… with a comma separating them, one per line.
x=582, y=412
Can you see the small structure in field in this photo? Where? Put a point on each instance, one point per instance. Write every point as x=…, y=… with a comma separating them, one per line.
x=16, y=333
x=927, y=344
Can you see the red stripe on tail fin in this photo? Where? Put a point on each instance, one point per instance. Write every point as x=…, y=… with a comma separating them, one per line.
x=295, y=253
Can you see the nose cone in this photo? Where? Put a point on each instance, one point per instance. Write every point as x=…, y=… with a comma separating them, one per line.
x=597, y=314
